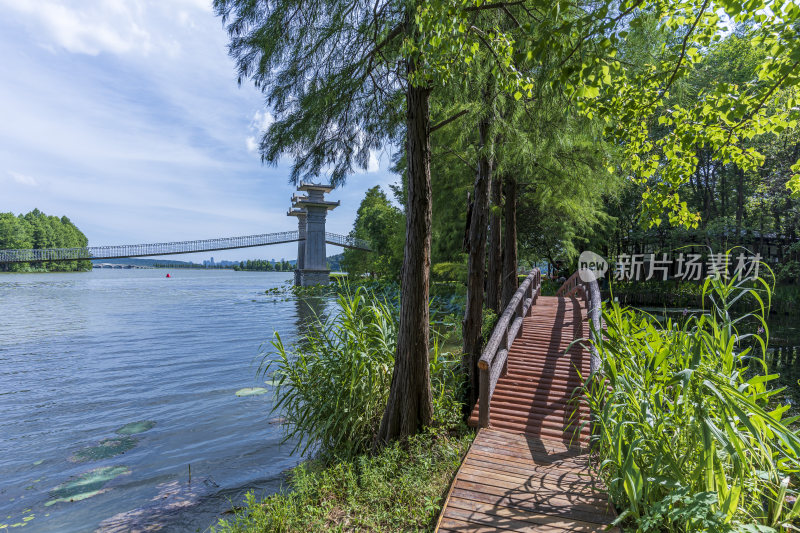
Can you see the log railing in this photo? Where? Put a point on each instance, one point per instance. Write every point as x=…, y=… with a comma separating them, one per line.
x=494, y=361
x=590, y=293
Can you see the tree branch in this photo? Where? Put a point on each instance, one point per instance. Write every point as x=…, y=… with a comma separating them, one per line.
x=397, y=30
x=499, y=5
x=448, y=120
x=683, y=53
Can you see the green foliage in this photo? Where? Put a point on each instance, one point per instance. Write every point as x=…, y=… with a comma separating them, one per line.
x=584, y=52
x=687, y=431
x=37, y=230
x=489, y=321
x=382, y=225
x=332, y=388
x=449, y=272
x=328, y=71
x=262, y=265
x=400, y=489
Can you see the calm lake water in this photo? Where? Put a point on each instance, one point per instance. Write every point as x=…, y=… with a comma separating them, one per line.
x=83, y=355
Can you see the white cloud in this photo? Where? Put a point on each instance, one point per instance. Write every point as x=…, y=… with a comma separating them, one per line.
x=261, y=121
x=89, y=27
x=373, y=165
x=252, y=145
x=23, y=179
x=93, y=27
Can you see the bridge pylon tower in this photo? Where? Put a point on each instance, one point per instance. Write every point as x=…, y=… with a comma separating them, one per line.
x=311, y=211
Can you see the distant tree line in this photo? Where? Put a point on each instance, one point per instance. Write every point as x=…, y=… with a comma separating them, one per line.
x=192, y=265
x=37, y=230
x=262, y=265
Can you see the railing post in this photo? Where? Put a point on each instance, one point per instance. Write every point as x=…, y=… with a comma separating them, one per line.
x=483, y=398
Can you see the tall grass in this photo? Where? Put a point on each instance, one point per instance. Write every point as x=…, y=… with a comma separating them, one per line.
x=687, y=433
x=332, y=387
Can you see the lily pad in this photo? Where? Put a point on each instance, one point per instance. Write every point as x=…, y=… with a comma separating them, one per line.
x=104, y=449
x=136, y=427
x=86, y=485
x=251, y=391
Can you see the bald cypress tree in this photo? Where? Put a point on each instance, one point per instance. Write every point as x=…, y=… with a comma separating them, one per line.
x=341, y=78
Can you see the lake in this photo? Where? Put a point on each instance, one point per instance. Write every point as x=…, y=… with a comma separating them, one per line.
x=114, y=383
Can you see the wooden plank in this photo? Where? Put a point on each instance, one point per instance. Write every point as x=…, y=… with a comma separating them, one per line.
x=530, y=444
x=531, y=456
x=555, y=483
x=544, y=486
x=529, y=470
x=501, y=465
x=555, y=465
x=520, y=437
x=522, y=519
x=506, y=462
x=561, y=510
x=505, y=523
x=544, y=498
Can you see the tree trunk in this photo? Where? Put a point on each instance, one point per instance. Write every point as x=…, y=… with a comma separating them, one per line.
x=509, y=240
x=476, y=263
x=410, y=405
x=739, y=206
x=493, y=283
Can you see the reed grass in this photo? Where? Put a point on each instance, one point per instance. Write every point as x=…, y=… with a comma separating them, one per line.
x=687, y=432
x=332, y=386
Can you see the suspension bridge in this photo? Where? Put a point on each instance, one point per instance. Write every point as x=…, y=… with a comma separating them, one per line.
x=168, y=248
x=310, y=210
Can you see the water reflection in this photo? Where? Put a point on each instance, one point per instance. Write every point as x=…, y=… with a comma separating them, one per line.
x=309, y=310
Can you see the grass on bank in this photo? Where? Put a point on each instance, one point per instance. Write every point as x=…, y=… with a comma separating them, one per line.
x=331, y=388
x=400, y=489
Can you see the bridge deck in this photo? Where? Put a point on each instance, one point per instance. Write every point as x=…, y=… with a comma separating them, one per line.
x=529, y=471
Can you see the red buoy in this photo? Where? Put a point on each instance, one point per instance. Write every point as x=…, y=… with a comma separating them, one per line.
x=168, y=275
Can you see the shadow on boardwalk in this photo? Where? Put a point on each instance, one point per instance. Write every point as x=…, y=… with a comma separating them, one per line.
x=529, y=471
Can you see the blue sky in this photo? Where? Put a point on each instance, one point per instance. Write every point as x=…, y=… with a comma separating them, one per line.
x=125, y=116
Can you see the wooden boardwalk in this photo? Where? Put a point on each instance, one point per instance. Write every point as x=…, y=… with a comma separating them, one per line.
x=529, y=470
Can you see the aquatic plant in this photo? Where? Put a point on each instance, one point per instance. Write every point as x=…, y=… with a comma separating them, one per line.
x=86, y=485
x=134, y=428
x=251, y=391
x=104, y=449
x=687, y=431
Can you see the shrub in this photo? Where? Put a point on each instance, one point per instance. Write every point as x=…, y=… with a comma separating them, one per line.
x=687, y=435
x=449, y=272
x=332, y=387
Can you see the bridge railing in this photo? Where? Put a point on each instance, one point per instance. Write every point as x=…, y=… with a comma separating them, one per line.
x=168, y=248
x=145, y=250
x=347, y=241
x=494, y=361
x=589, y=291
